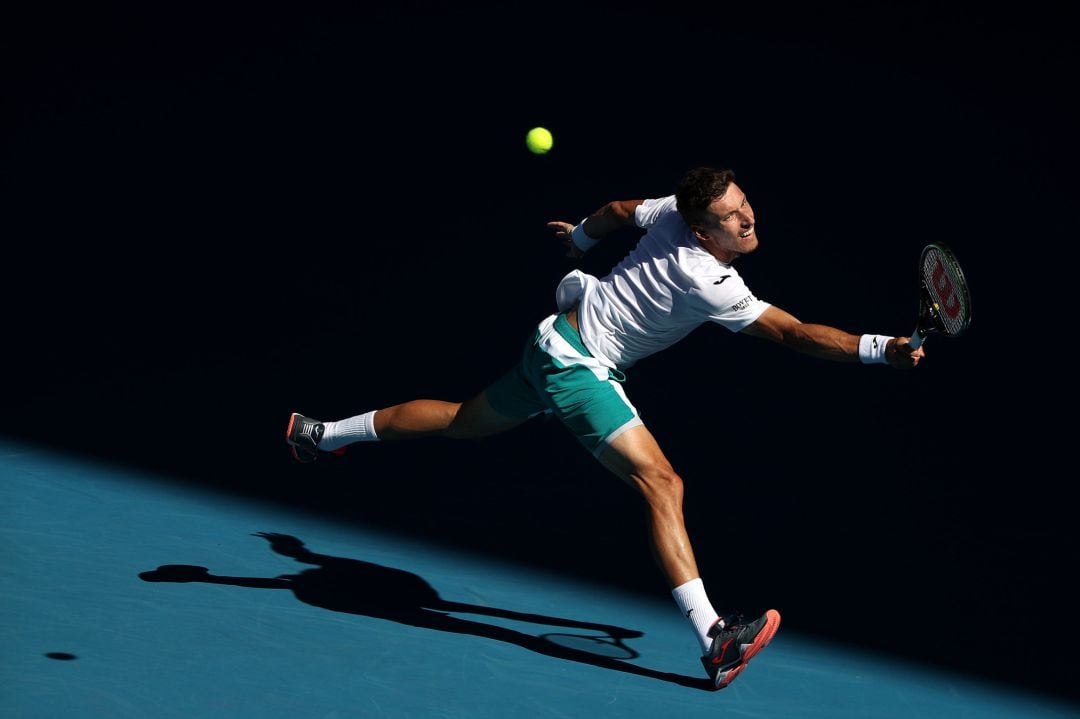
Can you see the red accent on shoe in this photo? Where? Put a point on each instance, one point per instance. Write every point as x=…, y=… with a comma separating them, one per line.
x=723, y=651
x=772, y=623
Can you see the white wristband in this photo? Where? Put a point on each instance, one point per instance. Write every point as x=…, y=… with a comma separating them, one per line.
x=581, y=240
x=872, y=348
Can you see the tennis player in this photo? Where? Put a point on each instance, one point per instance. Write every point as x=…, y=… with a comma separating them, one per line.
x=679, y=275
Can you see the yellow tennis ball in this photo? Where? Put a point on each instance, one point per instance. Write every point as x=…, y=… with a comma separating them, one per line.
x=539, y=140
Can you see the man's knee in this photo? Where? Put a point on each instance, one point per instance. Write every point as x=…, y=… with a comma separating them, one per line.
x=475, y=419
x=659, y=479
x=637, y=458
x=458, y=425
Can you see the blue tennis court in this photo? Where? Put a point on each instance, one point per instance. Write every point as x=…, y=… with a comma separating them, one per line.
x=128, y=595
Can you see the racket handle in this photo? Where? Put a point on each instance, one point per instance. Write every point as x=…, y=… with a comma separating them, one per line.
x=916, y=339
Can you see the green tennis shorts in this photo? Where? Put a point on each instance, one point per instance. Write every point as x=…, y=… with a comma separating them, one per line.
x=557, y=373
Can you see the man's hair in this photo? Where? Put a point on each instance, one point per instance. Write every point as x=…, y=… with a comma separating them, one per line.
x=697, y=190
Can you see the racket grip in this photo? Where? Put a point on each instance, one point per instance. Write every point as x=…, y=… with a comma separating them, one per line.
x=916, y=339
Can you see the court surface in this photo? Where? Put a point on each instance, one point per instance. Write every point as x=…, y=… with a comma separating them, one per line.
x=126, y=595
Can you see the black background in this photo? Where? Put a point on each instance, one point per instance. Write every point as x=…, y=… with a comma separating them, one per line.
x=214, y=216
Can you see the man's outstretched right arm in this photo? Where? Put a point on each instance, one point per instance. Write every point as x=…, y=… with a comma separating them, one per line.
x=831, y=343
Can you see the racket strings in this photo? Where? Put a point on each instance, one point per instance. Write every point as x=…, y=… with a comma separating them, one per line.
x=947, y=290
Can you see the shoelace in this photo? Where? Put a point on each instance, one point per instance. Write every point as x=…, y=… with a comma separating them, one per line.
x=732, y=620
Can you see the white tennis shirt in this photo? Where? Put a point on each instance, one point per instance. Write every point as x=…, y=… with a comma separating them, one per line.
x=665, y=288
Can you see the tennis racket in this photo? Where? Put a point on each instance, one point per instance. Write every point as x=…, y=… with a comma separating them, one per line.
x=944, y=300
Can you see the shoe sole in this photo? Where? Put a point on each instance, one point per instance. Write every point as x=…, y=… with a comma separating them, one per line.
x=772, y=623
x=288, y=430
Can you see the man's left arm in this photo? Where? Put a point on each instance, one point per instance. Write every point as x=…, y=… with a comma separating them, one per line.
x=831, y=343
x=613, y=216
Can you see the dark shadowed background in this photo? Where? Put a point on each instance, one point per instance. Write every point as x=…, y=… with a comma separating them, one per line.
x=215, y=215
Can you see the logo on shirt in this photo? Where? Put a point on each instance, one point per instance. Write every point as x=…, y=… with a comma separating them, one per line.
x=743, y=303
x=721, y=280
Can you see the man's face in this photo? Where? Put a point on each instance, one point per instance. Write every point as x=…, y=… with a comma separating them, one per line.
x=729, y=230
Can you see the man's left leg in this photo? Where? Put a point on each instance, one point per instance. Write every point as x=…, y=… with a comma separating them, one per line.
x=472, y=419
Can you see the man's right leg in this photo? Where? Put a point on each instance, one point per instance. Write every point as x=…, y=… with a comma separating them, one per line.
x=727, y=643
x=636, y=458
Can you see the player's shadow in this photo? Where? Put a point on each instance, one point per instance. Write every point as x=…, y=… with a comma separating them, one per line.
x=358, y=587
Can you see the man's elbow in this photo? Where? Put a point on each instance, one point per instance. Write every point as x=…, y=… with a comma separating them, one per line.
x=623, y=211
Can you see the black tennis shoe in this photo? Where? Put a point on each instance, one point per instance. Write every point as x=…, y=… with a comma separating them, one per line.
x=303, y=435
x=735, y=643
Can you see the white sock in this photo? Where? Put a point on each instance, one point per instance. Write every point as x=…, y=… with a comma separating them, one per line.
x=696, y=607
x=360, y=428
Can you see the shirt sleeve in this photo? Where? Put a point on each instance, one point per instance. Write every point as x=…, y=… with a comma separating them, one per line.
x=742, y=313
x=649, y=211
x=727, y=301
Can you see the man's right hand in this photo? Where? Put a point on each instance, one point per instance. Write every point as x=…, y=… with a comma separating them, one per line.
x=899, y=354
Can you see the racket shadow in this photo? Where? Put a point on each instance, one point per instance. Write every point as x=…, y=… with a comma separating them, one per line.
x=354, y=586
